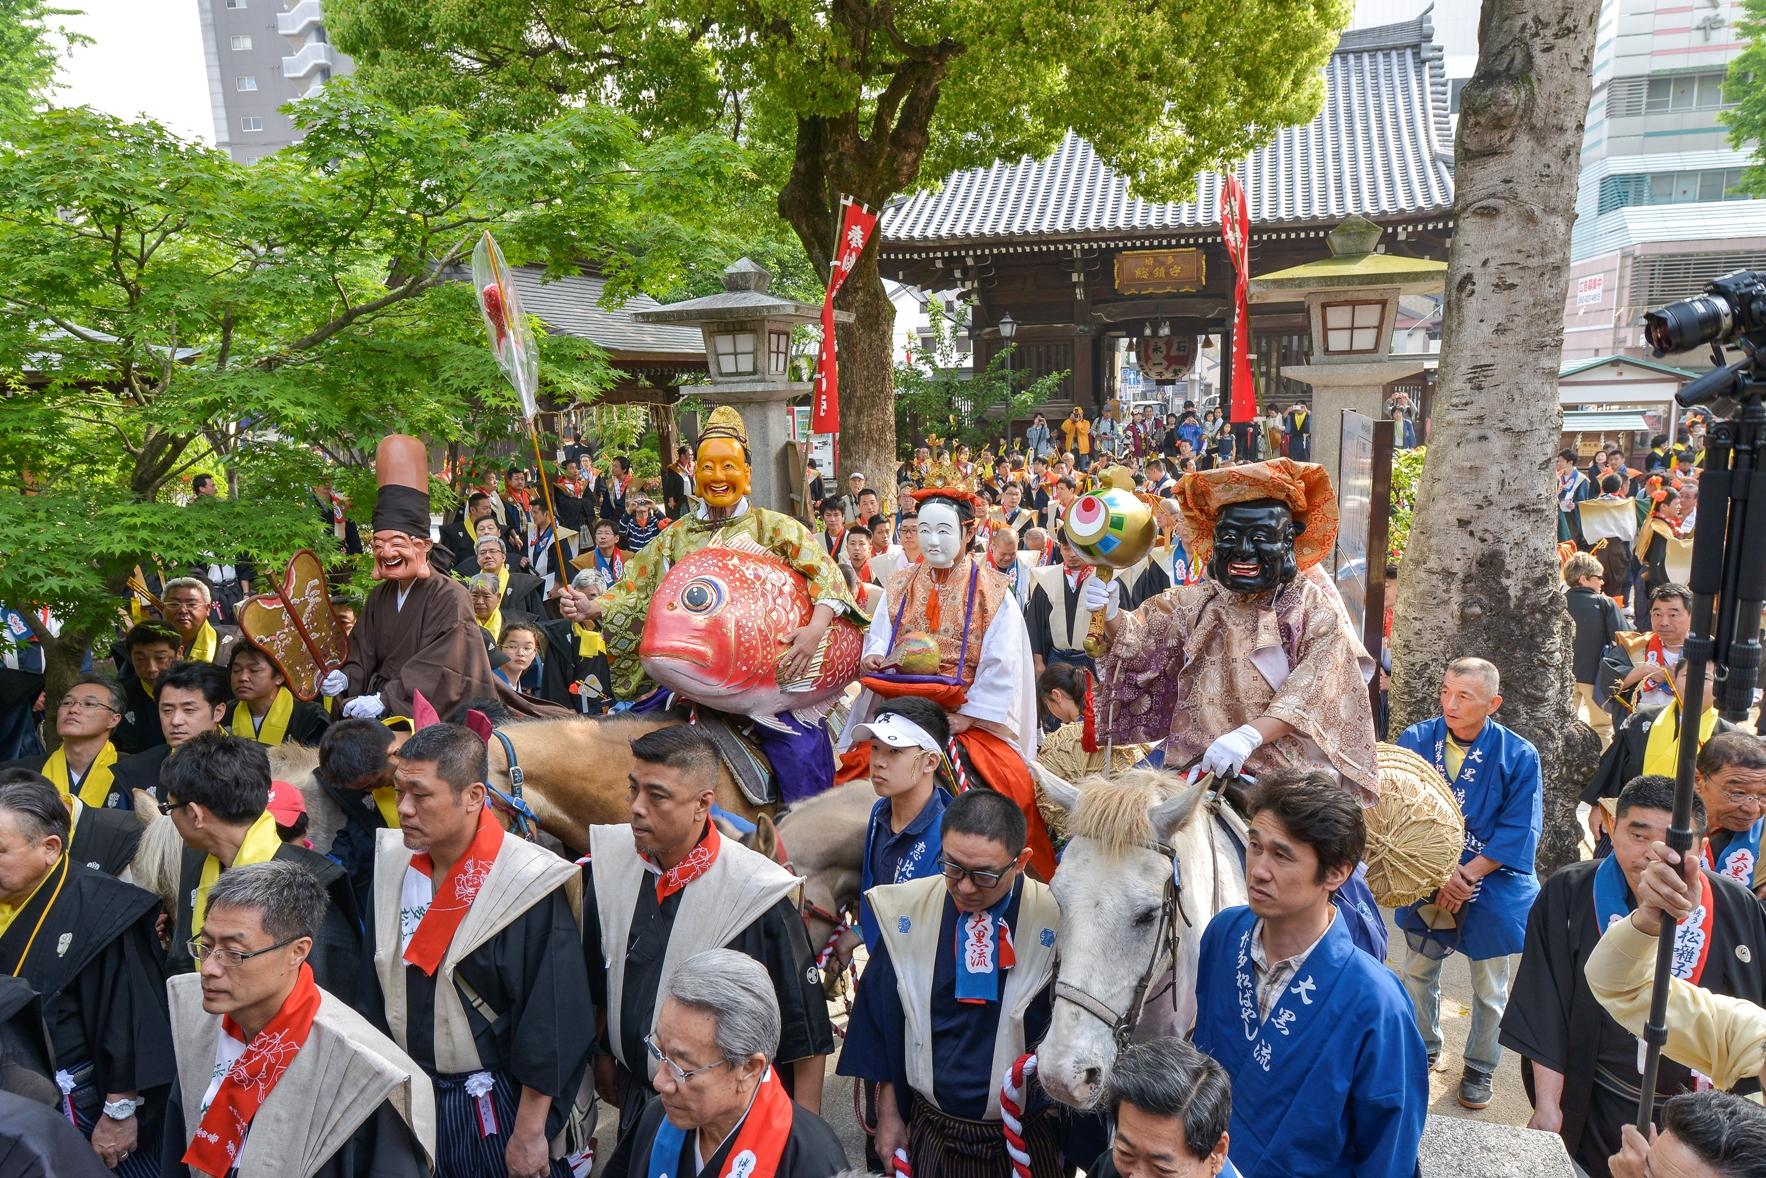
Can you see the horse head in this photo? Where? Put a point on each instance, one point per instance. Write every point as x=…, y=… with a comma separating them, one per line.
x=1123, y=920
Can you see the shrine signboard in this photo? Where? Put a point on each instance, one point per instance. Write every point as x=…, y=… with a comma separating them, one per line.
x=1160, y=271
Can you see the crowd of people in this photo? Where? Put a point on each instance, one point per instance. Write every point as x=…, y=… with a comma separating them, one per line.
x=210, y=969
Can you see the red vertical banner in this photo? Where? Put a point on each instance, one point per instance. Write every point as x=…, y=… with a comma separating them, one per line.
x=856, y=226
x=1235, y=232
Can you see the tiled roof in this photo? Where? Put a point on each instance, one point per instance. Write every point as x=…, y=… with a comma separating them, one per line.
x=1381, y=147
x=572, y=306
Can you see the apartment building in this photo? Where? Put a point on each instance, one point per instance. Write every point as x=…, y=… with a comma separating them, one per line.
x=262, y=55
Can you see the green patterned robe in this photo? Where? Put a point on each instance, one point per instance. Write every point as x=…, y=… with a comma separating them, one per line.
x=626, y=604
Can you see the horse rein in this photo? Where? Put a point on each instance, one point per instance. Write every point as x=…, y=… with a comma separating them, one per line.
x=1171, y=913
x=527, y=823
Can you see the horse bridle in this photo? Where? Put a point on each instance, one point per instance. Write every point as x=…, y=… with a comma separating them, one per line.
x=1171, y=912
x=527, y=823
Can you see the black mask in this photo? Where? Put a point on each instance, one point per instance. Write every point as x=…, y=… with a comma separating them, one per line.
x=1254, y=547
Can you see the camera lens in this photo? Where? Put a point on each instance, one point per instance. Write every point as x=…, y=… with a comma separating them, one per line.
x=1688, y=323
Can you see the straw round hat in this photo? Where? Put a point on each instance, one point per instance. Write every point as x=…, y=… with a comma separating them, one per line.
x=1415, y=833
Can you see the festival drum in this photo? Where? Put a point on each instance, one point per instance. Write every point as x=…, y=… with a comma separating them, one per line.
x=1415, y=834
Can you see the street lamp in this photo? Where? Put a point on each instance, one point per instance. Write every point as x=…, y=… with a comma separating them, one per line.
x=1008, y=328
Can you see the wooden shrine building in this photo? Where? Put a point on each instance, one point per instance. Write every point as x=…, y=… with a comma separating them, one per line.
x=1083, y=266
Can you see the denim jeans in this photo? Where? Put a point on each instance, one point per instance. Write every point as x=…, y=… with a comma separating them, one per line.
x=1422, y=979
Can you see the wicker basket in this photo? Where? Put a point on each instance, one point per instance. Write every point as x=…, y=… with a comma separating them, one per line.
x=1416, y=832
x=1063, y=754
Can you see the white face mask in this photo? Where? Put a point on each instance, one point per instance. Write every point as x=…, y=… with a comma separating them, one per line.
x=941, y=534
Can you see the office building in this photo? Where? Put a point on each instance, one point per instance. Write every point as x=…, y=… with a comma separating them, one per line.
x=262, y=55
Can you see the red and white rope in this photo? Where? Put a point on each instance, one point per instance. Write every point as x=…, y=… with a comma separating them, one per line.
x=956, y=766
x=900, y=1165
x=1012, y=1099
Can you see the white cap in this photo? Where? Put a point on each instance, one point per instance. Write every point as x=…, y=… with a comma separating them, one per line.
x=898, y=732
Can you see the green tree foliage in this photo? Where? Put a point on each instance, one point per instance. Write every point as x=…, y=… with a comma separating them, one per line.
x=873, y=97
x=935, y=393
x=1746, y=120
x=168, y=310
x=30, y=43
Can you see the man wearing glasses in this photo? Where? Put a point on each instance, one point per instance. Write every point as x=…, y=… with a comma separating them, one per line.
x=216, y=791
x=720, y=1107
x=276, y=1077
x=86, y=943
x=1731, y=781
x=934, y=1027
x=82, y=770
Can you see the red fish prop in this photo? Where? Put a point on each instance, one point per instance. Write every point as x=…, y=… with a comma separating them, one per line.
x=717, y=629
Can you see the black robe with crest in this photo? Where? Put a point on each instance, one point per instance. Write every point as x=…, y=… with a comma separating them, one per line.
x=1553, y=1019
x=813, y=1150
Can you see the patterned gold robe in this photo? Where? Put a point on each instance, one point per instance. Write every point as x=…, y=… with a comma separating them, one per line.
x=1197, y=661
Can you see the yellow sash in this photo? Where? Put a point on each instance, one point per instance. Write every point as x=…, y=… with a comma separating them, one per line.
x=8, y=913
x=1662, y=752
x=493, y=625
x=386, y=800
x=589, y=643
x=274, y=729
x=502, y=582
x=260, y=846
x=95, y=786
x=202, y=647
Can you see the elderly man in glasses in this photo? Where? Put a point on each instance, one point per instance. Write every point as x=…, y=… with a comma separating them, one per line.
x=720, y=1106
x=957, y=988
x=1731, y=781
x=276, y=1077
x=86, y=944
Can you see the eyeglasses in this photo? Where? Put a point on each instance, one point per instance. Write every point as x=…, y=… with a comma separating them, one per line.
x=681, y=1075
x=166, y=808
x=1737, y=798
x=231, y=958
x=956, y=873
x=73, y=703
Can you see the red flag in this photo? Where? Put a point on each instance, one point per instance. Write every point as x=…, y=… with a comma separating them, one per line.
x=856, y=225
x=1235, y=232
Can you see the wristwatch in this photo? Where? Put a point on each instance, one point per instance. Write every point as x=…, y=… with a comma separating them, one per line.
x=122, y=1110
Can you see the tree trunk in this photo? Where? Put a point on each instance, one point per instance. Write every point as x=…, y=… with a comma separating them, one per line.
x=867, y=377
x=1481, y=570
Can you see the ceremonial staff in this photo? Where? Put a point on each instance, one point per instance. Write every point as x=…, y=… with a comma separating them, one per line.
x=512, y=344
x=1728, y=577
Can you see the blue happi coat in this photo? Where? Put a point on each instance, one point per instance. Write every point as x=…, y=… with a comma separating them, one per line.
x=912, y=854
x=1499, y=790
x=1335, y=1081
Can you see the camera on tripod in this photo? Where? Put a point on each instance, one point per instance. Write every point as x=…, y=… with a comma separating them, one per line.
x=1732, y=306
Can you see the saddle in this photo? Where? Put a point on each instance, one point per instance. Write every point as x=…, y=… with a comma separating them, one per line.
x=746, y=763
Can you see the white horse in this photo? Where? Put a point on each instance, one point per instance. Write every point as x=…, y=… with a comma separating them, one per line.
x=1146, y=868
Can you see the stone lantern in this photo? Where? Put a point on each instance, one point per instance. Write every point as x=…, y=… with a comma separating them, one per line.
x=748, y=357
x=1352, y=307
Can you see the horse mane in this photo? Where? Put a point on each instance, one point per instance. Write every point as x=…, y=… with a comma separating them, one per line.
x=1116, y=813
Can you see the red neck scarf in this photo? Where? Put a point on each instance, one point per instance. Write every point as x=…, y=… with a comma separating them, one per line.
x=759, y=1145
x=221, y=1135
x=453, y=894
x=698, y=861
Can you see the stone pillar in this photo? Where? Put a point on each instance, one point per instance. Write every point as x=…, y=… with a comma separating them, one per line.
x=1336, y=387
x=766, y=414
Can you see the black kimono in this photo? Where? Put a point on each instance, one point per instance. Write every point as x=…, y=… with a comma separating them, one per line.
x=812, y=1152
x=383, y=1147
x=136, y=771
x=563, y=670
x=1553, y=1019
x=337, y=953
x=1623, y=759
x=140, y=728
x=776, y=940
x=105, y=839
x=1038, y=617
x=530, y=976
x=86, y=943
x=306, y=724
x=37, y=1142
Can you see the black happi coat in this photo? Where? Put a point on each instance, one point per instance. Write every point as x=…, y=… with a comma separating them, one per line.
x=1554, y=1021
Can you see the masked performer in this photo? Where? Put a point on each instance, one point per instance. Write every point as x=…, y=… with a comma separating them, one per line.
x=1255, y=667
x=416, y=632
x=954, y=607
x=800, y=754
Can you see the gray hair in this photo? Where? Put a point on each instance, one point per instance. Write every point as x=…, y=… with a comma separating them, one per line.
x=1171, y=1078
x=35, y=804
x=483, y=581
x=589, y=579
x=735, y=990
x=1477, y=668
x=187, y=583
x=289, y=900
x=113, y=690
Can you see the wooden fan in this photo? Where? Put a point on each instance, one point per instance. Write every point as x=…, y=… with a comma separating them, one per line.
x=295, y=625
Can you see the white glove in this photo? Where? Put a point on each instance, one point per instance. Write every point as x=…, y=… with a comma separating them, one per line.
x=364, y=707
x=1099, y=594
x=1226, y=756
x=334, y=683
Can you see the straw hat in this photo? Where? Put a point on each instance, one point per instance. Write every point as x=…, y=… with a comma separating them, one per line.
x=1415, y=833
